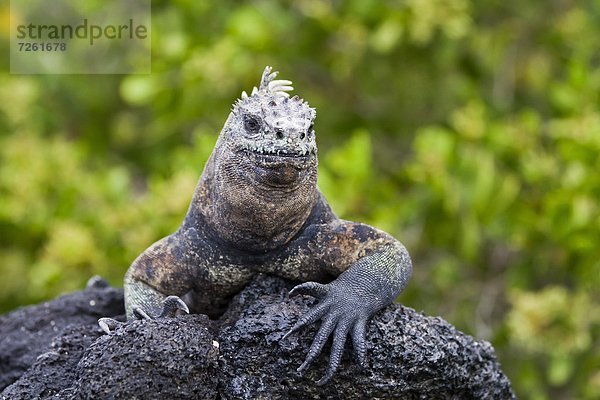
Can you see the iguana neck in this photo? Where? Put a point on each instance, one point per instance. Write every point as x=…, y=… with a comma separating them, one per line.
x=252, y=208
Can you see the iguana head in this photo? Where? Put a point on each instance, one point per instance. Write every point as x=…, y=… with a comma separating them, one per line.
x=260, y=184
x=271, y=130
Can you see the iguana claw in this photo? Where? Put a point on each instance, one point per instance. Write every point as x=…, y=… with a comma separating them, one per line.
x=171, y=305
x=108, y=324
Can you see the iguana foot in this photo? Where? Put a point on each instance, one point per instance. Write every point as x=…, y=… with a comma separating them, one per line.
x=343, y=312
x=171, y=305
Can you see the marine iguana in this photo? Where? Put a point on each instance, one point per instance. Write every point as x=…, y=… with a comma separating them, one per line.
x=257, y=209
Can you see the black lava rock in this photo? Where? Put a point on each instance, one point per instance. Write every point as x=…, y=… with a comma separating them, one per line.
x=168, y=359
x=28, y=332
x=240, y=356
x=410, y=356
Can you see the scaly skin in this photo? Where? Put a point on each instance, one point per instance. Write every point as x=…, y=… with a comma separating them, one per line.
x=257, y=209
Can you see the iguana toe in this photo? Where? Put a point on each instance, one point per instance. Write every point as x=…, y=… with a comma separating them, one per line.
x=339, y=340
x=171, y=305
x=359, y=332
x=108, y=324
x=318, y=342
x=313, y=315
x=314, y=289
x=139, y=313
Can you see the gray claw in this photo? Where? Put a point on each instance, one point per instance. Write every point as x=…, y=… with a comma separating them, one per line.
x=313, y=289
x=324, y=379
x=49, y=356
x=108, y=324
x=287, y=334
x=171, y=305
x=140, y=314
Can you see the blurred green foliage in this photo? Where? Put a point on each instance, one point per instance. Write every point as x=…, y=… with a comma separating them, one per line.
x=469, y=130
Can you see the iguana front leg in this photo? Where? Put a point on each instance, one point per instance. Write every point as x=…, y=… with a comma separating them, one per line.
x=156, y=278
x=376, y=268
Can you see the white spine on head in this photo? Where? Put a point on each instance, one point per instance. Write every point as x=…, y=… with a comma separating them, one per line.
x=269, y=84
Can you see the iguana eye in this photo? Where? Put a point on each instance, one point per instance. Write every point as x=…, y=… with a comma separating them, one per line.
x=251, y=125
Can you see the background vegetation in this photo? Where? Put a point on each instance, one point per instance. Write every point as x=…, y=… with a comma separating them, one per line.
x=469, y=130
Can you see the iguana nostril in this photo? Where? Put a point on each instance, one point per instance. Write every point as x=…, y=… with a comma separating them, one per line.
x=279, y=134
x=302, y=135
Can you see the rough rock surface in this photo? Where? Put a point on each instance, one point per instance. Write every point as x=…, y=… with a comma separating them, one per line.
x=240, y=356
x=28, y=332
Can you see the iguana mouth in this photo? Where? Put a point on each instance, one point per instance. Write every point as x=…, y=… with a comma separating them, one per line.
x=278, y=158
x=282, y=153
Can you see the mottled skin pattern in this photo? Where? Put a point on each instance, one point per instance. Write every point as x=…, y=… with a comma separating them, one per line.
x=257, y=209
